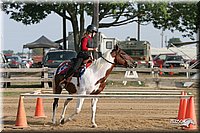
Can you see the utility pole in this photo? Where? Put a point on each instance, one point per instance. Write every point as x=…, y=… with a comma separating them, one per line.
x=64, y=31
x=165, y=41
x=138, y=32
x=96, y=22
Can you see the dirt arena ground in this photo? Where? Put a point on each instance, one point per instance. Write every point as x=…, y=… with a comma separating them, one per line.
x=113, y=115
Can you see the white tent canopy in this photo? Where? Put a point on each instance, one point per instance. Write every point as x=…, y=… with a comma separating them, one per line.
x=190, y=51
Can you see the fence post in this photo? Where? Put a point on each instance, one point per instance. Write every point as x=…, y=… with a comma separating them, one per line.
x=151, y=66
x=46, y=85
x=187, y=68
x=156, y=73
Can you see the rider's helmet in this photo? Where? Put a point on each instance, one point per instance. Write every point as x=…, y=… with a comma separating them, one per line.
x=92, y=28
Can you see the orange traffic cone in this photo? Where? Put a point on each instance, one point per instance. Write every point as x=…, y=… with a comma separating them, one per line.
x=180, y=114
x=182, y=107
x=171, y=73
x=21, y=121
x=39, y=110
x=160, y=73
x=190, y=114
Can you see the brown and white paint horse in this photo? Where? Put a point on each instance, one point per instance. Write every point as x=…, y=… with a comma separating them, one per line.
x=92, y=81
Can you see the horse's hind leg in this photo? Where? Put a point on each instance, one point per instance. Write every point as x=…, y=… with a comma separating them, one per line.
x=55, y=105
x=56, y=90
x=94, y=106
x=64, y=109
x=71, y=88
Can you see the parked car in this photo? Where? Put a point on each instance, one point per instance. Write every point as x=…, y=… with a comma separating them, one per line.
x=176, y=61
x=4, y=64
x=53, y=59
x=15, y=61
x=160, y=59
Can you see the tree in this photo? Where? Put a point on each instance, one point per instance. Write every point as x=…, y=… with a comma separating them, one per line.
x=174, y=40
x=37, y=51
x=171, y=15
x=8, y=52
x=175, y=16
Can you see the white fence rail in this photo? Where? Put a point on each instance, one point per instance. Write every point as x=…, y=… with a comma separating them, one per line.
x=155, y=75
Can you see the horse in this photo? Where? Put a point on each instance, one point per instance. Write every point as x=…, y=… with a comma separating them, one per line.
x=92, y=82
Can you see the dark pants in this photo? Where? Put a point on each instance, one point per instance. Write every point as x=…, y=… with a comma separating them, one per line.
x=94, y=54
x=76, y=65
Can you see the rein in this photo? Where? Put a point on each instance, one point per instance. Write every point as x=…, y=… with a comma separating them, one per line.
x=107, y=60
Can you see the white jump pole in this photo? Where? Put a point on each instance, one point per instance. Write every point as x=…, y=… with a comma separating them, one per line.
x=106, y=96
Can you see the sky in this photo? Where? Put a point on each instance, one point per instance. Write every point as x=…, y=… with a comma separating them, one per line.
x=15, y=34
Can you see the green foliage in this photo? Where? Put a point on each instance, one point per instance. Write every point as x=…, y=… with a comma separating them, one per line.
x=8, y=51
x=174, y=40
x=164, y=15
x=174, y=16
x=27, y=13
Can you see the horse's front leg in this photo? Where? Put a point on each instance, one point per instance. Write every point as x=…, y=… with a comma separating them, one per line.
x=78, y=109
x=64, y=110
x=94, y=106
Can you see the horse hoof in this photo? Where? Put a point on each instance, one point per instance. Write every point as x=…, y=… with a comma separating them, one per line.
x=53, y=122
x=62, y=121
x=94, y=125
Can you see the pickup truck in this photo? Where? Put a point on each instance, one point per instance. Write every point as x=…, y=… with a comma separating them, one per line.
x=160, y=59
x=176, y=61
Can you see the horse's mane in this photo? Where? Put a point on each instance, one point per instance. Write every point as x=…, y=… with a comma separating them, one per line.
x=100, y=61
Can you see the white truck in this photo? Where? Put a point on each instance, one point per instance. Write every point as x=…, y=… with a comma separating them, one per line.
x=105, y=43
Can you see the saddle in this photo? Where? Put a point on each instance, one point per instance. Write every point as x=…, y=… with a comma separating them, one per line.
x=65, y=66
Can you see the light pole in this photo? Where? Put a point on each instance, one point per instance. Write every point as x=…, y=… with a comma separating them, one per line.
x=162, y=34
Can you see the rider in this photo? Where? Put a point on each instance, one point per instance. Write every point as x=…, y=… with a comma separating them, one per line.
x=87, y=41
x=78, y=66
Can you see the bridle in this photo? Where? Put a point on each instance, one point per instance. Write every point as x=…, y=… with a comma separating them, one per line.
x=120, y=54
x=112, y=62
x=107, y=60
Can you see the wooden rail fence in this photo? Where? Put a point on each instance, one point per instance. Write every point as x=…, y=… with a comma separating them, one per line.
x=154, y=72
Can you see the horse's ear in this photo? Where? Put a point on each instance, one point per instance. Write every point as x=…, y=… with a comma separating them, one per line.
x=116, y=47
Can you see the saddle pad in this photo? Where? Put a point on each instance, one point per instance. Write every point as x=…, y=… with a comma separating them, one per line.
x=64, y=67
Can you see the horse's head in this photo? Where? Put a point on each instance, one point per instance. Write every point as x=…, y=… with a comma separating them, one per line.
x=122, y=58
